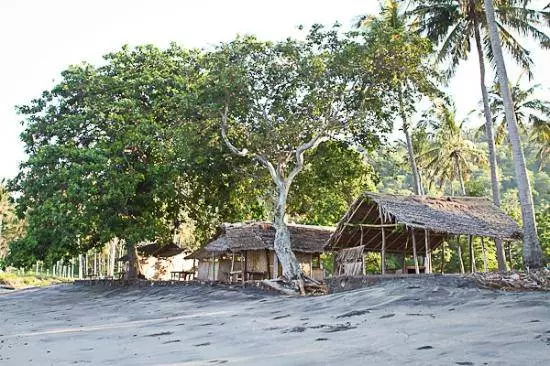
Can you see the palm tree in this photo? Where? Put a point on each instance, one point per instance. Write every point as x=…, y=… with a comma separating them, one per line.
x=540, y=135
x=528, y=109
x=451, y=156
x=454, y=23
x=404, y=55
x=532, y=252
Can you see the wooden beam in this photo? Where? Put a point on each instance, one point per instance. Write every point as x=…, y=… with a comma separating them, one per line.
x=364, y=217
x=373, y=225
x=415, y=258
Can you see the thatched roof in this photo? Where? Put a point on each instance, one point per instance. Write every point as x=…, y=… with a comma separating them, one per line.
x=147, y=249
x=260, y=236
x=440, y=216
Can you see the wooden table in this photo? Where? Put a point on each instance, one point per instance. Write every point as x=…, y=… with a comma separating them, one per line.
x=177, y=275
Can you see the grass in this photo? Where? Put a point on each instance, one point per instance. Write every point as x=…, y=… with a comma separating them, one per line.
x=19, y=281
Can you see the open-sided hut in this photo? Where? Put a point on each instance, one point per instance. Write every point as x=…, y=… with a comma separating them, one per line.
x=416, y=225
x=157, y=261
x=245, y=251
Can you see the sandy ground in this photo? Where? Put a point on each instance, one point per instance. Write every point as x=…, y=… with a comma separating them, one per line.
x=436, y=321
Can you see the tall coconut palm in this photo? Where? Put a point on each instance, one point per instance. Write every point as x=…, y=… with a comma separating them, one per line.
x=403, y=57
x=528, y=109
x=540, y=135
x=454, y=24
x=451, y=156
x=532, y=252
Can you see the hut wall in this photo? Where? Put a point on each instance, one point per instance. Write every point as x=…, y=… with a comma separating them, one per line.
x=217, y=272
x=256, y=261
x=159, y=268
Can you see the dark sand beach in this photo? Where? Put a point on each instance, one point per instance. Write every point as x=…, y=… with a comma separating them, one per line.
x=416, y=321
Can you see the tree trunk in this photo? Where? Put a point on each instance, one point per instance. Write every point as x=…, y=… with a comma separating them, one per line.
x=410, y=150
x=460, y=178
x=532, y=252
x=289, y=263
x=489, y=130
x=133, y=264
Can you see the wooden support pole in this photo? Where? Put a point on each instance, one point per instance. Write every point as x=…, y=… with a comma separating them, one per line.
x=484, y=255
x=459, y=254
x=405, y=256
x=443, y=257
x=472, y=254
x=267, y=263
x=427, y=264
x=415, y=257
x=383, y=249
x=275, y=265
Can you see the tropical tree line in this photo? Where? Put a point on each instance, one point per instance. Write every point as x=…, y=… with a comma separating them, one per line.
x=156, y=141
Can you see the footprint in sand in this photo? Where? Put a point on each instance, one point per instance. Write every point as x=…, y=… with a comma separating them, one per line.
x=202, y=344
x=424, y=347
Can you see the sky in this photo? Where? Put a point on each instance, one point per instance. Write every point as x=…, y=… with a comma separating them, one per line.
x=41, y=38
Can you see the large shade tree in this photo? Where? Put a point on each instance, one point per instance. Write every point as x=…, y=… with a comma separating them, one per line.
x=120, y=151
x=454, y=24
x=532, y=252
x=276, y=101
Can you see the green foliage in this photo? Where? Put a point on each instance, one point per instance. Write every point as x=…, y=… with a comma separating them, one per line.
x=325, y=189
x=120, y=151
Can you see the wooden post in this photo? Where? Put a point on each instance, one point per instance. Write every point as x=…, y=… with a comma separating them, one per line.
x=275, y=265
x=443, y=257
x=245, y=264
x=484, y=255
x=472, y=254
x=415, y=257
x=383, y=249
x=267, y=263
x=428, y=265
x=459, y=254
x=405, y=256
x=213, y=267
x=80, y=267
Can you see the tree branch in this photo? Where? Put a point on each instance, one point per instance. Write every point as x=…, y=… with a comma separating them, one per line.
x=244, y=152
x=313, y=143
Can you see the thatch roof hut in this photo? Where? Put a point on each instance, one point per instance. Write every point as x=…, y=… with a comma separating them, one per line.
x=239, y=237
x=388, y=223
x=253, y=242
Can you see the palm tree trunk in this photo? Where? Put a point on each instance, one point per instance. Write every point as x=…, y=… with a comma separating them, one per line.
x=460, y=177
x=501, y=258
x=532, y=252
x=410, y=150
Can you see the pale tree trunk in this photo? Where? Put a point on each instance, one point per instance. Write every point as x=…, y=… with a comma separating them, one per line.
x=532, y=252
x=282, y=245
x=489, y=130
x=410, y=150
